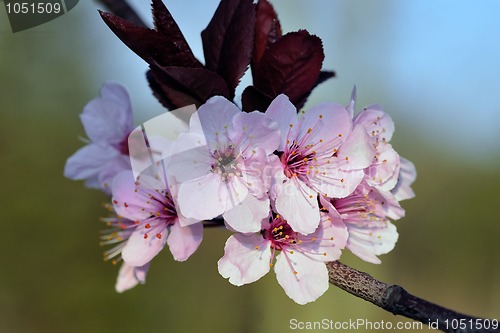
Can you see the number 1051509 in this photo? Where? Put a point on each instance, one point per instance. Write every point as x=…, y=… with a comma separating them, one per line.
x=33, y=8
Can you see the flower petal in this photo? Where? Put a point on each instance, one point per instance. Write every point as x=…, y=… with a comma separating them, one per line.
x=246, y=259
x=129, y=277
x=303, y=279
x=126, y=278
x=140, y=250
x=184, y=241
x=357, y=151
x=110, y=170
x=88, y=162
x=370, y=239
x=378, y=124
x=255, y=129
x=213, y=119
x=108, y=119
x=190, y=158
x=284, y=113
x=407, y=175
x=131, y=200
x=322, y=122
x=298, y=205
x=247, y=216
x=384, y=170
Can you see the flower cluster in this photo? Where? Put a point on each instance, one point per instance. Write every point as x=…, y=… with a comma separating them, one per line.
x=296, y=188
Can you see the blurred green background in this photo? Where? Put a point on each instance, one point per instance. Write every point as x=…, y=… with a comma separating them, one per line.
x=52, y=278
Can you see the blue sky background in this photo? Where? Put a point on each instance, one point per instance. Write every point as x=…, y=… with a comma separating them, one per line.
x=434, y=65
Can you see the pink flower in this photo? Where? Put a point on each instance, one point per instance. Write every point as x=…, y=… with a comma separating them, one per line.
x=366, y=213
x=150, y=204
x=388, y=171
x=320, y=152
x=219, y=164
x=107, y=120
x=300, y=259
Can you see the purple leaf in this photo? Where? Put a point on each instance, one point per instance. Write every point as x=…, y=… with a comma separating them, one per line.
x=291, y=66
x=228, y=40
x=176, y=87
x=252, y=99
x=267, y=30
x=166, y=47
x=323, y=76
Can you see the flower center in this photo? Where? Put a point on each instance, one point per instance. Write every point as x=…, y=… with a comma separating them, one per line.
x=226, y=163
x=298, y=160
x=280, y=233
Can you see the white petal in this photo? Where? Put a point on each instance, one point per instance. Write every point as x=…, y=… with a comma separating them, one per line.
x=248, y=215
x=139, y=250
x=298, y=204
x=322, y=122
x=184, y=241
x=357, y=151
x=303, y=279
x=190, y=158
x=255, y=129
x=213, y=119
x=246, y=259
x=129, y=277
x=202, y=198
x=284, y=113
x=371, y=239
x=407, y=175
x=126, y=278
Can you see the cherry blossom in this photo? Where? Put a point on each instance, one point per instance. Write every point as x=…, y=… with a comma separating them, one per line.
x=149, y=203
x=298, y=260
x=219, y=164
x=366, y=213
x=107, y=121
x=321, y=151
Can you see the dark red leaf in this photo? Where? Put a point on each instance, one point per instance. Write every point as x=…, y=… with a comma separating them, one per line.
x=158, y=91
x=228, y=40
x=323, y=76
x=267, y=30
x=252, y=99
x=176, y=87
x=291, y=66
x=161, y=47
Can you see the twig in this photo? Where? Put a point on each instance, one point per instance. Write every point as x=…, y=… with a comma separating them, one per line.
x=397, y=300
x=122, y=9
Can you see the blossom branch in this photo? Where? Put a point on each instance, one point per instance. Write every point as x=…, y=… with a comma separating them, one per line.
x=122, y=9
x=397, y=300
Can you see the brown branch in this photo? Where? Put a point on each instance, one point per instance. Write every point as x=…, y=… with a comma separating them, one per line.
x=122, y=9
x=397, y=300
